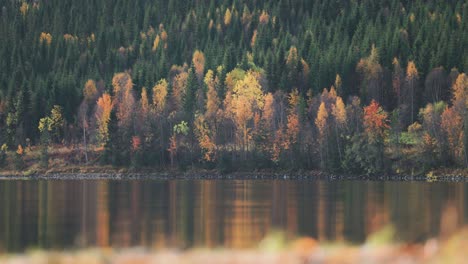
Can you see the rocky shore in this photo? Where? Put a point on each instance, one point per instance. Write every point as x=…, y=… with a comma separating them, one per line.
x=106, y=174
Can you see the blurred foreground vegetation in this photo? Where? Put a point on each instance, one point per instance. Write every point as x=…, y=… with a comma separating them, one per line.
x=379, y=248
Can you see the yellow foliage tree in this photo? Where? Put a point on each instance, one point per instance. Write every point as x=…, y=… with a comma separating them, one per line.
x=227, y=17
x=204, y=137
x=321, y=123
x=321, y=120
x=233, y=77
x=24, y=8
x=212, y=100
x=247, y=98
x=339, y=112
x=45, y=38
x=159, y=96
x=90, y=91
x=156, y=43
x=460, y=91
x=103, y=111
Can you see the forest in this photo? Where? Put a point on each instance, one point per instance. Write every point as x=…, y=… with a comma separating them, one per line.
x=363, y=86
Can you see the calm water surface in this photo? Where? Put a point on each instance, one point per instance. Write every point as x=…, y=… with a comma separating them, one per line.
x=234, y=214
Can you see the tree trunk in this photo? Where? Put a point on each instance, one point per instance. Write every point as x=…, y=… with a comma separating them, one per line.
x=338, y=144
x=84, y=141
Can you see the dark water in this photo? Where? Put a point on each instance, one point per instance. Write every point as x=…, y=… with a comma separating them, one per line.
x=199, y=213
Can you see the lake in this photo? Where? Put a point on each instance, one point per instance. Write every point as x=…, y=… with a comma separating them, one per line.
x=158, y=214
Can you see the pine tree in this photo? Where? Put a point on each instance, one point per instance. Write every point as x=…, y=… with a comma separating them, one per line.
x=113, y=147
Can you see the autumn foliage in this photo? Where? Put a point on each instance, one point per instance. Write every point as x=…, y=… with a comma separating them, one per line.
x=375, y=121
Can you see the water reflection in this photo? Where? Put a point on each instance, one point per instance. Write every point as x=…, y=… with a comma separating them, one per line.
x=237, y=214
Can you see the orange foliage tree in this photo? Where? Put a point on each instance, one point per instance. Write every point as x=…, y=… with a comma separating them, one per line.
x=293, y=125
x=452, y=125
x=124, y=99
x=455, y=120
x=198, y=61
x=375, y=122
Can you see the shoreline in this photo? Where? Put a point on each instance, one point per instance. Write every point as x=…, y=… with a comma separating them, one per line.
x=147, y=174
x=62, y=166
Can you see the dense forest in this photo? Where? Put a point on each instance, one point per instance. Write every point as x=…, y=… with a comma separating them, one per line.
x=360, y=86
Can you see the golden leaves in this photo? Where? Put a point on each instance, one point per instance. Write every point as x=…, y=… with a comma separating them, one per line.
x=227, y=17
x=70, y=38
x=156, y=43
x=159, y=96
x=292, y=59
x=460, y=90
x=121, y=82
x=45, y=38
x=411, y=71
x=370, y=66
x=24, y=8
x=204, y=137
x=103, y=111
x=212, y=100
x=339, y=112
x=249, y=87
x=90, y=90
x=264, y=18
x=321, y=120
x=254, y=38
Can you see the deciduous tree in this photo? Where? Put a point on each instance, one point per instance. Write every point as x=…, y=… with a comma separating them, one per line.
x=103, y=110
x=372, y=76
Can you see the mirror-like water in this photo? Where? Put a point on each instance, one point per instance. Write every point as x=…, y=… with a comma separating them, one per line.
x=234, y=214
